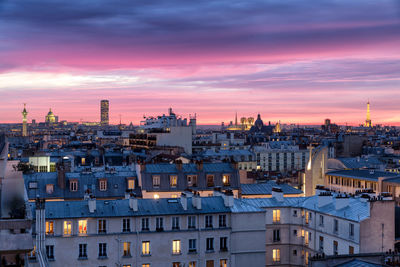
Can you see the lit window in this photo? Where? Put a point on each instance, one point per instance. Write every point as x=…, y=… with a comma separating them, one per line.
x=276, y=215
x=223, y=263
x=82, y=226
x=307, y=217
x=67, y=227
x=225, y=179
x=173, y=180
x=210, y=263
x=192, y=264
x=351, y=250
x=176, y=247
x=156, y=180
x=83, y=161
x=127, y=249
x=276, y=255
x=49, y=228
x=176, y=264
x=102, y=184
x=146, y=265
x=73, y=185
x=49, y=189
x=146, y=247
x=131, y=184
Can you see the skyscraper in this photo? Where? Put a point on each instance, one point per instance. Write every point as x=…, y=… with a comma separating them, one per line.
x=104, y=108
x=24, y=122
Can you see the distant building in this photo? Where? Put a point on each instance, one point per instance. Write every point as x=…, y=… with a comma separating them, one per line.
x=104, y=112
x=24, y=122
x=368, y=122
x=50, y=117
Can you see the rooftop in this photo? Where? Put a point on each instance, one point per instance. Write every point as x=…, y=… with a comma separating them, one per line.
x=362, y=174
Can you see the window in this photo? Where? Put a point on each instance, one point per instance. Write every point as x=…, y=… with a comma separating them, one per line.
x=209, y=263
x=126, y=265
x=321, y=220
x=223, y=263
x=226, y=179
x=50, y=252
x=307, y=239
x=159, y=224
x=351, y=230
x=335, y=225
x=294, y=252
x=67, y=227
x=277, y=235
x=173, y=180
x=82, y=251
x=102, y=250
x=276, y=216
x=307, y=217
x=73, y=185
x=103, y=184
x=131, y=184
x=146, y=265
x=145, y=224
x=210, y=244
x=49, y=189
x=276, y=255
x=321, y=244
x=210, y=180
x=156, y=180
x=49, y=227
x=32, y=254
x=209, y=221
x=223, y=244
x=102, y=227
x=42, y=168
x=192, y=264
x=222, y=220
x=126, y=225
x=176, y=247
x=295, y=232
x=294, y=213
x=192, y=222
x=351, y=250
x=127, y=249
x=192, y=245
x=175, y=223
x=32, y=185
x=146, y=247
x=82, y=227
x=192, y=180
x=176, y=264
x=335, y=247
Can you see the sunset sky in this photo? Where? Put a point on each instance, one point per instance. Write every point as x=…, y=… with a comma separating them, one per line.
x=294, y=61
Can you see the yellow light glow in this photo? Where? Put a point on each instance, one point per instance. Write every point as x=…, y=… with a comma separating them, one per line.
x=156, y=196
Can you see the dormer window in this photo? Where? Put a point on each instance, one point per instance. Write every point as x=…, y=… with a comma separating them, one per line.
x=226, y=179
x=210, y=180
x=103, y=184
x=49, y=189
x=156, y=180
x=131, y=183
x=73, y=185
x=32, y=185
x=192, y=180
x=173, y=179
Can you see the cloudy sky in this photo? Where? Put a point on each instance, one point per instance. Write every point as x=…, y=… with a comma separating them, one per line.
x=294, y=61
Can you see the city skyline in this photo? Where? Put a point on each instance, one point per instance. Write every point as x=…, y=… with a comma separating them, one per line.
x=290, y=61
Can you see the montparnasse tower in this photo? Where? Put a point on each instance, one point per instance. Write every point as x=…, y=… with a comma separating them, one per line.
x=24, y=122
x=368, y=122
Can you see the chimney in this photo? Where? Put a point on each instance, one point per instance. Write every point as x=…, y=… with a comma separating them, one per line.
x=178, y=165
x=92, y=204
x=341, y=201
x=277, y=193
x=319, y=189
x=196, y=201
x=324, y=198
x=183, y=200
x=86, y=196
x=228, y=198
x=143, y=167
x=200, y=165
x=128, y=194
x=133, y=202
x=217, y=192
x=61, y=177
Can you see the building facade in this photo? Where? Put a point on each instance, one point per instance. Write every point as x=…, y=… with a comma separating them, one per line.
x=104, y=112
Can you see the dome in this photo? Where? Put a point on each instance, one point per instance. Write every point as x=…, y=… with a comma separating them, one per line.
x=50, y=113
x=259, y=123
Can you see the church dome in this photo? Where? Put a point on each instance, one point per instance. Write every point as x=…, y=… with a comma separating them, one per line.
x=259, y=123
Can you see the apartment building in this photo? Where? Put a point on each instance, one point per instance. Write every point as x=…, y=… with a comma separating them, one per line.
x=281, y=156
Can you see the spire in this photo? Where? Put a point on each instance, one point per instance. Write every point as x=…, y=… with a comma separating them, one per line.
x=368, y=122
x=236, y=119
